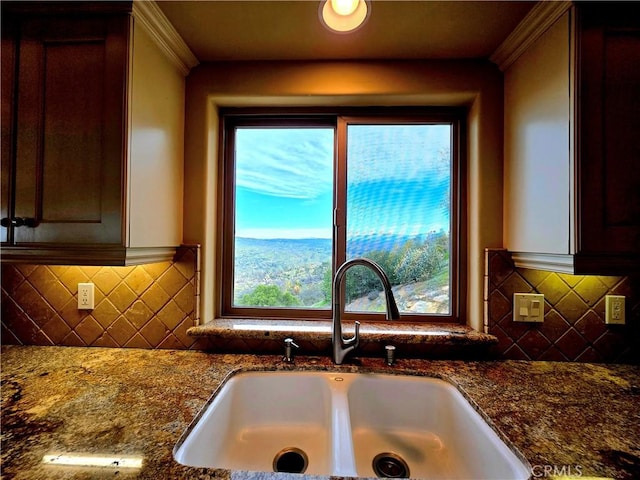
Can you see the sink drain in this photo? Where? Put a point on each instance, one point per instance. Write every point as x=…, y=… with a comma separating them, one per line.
x=390, y=465
x=290, y=460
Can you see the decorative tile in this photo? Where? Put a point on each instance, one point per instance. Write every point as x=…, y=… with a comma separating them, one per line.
x=73, y=340
x=106, y=280
x=534, y=344
x=552, y=354
x=574, y=315
x=138, y=314
x=611, y=344
x=571, y=307
x=154, y=331
x=155, y=270
x=155, y=298
x=42, y=279
x=571, y=344
x=137, y=341
x=121, y=330
x=515, y=284
x=122, y=297
x=515, y=353
x=72, y=277
x=57, y=295
x=171, y=315
x=554, y=326
x=180, y=333
x=105, y=313
x=590, y=355
x=570, y=280
x=11, y=278
x=172, y=281
x=8, y=336
x=70, y=313
x=499, y=305
x=554, y=288
x=504, y=340
x=139, y=280
x=501, y=266
x=105, y=340
x=534, y=277
x=133, y=309
x=184, y=298
x=89, y=330
x=56, y=329
x=590, y=326
x=591, y=289
x=171, y=341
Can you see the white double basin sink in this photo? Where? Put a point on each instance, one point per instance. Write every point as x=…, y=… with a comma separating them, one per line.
x=346, y=424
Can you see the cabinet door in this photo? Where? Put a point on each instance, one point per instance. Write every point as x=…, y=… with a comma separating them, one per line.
x=7, y=86
x=70, y=130
x=609, y=143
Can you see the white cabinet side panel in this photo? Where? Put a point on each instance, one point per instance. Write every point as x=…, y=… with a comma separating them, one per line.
x=537, y=154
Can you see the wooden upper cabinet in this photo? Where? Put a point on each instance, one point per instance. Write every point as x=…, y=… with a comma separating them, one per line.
x=95, y=136
x=70, y=145
x=572, y=143
x=608, y=134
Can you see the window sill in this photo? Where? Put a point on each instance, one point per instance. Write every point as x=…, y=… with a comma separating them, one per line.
x=397, y=333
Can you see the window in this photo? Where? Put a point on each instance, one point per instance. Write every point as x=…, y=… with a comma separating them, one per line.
x=301, y=194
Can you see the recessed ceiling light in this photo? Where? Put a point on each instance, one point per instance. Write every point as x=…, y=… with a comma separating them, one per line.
x=344, y=16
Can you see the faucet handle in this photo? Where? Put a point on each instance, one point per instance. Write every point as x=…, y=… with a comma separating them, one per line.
x=288, y=352
x=355, y=340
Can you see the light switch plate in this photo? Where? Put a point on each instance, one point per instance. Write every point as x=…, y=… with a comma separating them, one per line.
x=528, y=307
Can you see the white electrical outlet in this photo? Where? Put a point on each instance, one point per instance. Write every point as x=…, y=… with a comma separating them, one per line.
x=85, y=296
x=528, y=307
x=614, y=309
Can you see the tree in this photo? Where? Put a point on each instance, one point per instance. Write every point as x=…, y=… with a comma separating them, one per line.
x=268, y=296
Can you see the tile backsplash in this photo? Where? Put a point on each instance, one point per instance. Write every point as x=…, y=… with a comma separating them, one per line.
x=146, y=306
x=152, y=306
x=573, y=327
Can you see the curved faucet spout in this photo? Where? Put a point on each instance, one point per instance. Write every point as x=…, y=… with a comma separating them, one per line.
x=342, y=346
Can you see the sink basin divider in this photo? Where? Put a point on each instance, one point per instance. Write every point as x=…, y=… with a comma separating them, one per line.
x=343, y=456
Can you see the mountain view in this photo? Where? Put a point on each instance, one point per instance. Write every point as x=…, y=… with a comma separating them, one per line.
x=297, y=272
x=391, y=190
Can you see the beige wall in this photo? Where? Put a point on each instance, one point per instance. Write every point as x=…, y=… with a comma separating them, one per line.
x=475, y=84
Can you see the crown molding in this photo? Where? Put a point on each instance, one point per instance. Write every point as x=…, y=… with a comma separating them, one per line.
x=544, y=261
x=149, y=15
x=533, y=25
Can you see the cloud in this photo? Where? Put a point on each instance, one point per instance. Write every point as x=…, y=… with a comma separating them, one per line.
x=298, y=162
x=294, y=163
x=399, y=152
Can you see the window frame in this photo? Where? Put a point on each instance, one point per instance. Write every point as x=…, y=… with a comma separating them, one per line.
x=338, y=119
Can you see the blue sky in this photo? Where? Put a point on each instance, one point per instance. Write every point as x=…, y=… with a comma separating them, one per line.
x=397, y=177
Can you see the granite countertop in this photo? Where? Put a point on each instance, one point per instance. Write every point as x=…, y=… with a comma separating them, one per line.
x=370, y=332
x=579, y=418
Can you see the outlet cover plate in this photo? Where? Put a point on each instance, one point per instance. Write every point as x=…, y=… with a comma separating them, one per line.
x=86, y=296
x=614, y=310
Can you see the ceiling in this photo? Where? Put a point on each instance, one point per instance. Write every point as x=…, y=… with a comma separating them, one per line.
x=225, y=30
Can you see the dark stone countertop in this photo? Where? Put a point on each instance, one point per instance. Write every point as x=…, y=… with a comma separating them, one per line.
x=370, y=332
x=574, y=417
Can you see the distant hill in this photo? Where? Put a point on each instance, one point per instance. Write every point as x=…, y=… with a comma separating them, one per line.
x=291, y=264
x=301, y=265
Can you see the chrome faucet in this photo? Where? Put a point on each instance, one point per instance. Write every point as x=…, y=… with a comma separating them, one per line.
x=342, y=347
